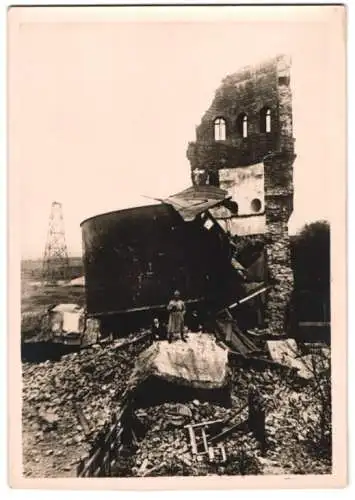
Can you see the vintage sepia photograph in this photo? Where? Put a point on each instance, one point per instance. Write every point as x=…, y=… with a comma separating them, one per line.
x=177, y=178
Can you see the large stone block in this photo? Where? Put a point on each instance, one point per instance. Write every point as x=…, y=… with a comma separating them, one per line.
x=198, y=363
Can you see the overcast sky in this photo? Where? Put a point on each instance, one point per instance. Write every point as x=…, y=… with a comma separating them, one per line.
x=104, y=110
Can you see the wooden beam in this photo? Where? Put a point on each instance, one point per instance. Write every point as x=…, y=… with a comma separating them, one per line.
x=192, y=440
x=230, y=429
x=204, y=438
x=203, y=424
x=248, y=297
x=154, y=469
x=225, y=433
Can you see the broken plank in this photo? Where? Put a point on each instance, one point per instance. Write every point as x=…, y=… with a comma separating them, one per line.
x=223, y=451
x=134, y=438
x=184, y=460
x=143, y=467
x=225, y=433
x=230, y=429
x=110, y=434
x=192, y=439
x=238, y=344
x=154, y=469
x=90, y=462
x=204, y=438
x=203, y=424
x=251, y=346
x=211, y=453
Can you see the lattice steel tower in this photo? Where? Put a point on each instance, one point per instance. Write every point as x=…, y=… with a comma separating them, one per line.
x=55, y=260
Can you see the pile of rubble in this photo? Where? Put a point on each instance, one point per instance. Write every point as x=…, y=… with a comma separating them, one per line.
x=292, y=416
x=165, y=449
x=294, y=413
x=67, y=402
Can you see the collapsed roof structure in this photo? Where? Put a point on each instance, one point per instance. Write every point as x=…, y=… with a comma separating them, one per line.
x=134, y=259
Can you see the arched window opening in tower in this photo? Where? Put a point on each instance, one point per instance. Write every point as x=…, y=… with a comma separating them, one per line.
x=220, y=129
x=265, y=120
x=242, y=125
x=256, y=205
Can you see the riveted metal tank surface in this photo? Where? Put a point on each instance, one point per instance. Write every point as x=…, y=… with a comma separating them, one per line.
x=135, y=258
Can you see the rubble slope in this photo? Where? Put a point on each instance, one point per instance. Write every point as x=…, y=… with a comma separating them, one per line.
x=67, y=402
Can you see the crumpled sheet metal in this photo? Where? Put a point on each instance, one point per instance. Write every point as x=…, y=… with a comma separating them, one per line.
x=195, y=200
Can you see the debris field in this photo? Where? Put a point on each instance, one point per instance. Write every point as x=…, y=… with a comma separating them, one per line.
x=66, y=403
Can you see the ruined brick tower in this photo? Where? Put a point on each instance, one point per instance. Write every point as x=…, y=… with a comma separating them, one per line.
x=245, y=144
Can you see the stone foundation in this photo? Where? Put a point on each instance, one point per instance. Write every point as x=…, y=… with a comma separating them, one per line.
x=281, y=279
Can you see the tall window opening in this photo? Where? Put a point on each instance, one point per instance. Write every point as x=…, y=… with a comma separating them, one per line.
x=265, y=120
x=220, y=129
x=242, y=125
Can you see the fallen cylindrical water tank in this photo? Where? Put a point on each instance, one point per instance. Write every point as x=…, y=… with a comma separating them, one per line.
x=135, y=258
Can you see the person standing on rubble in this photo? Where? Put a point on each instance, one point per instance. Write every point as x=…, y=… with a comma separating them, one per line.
x=177, y=311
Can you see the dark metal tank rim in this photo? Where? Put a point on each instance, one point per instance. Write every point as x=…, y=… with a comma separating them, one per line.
x=141, y=309
x=112, y=212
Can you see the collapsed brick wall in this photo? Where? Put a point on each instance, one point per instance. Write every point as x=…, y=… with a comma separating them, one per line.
x=250, y=91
